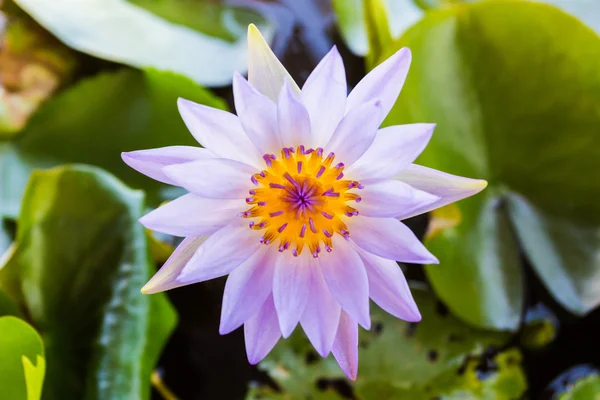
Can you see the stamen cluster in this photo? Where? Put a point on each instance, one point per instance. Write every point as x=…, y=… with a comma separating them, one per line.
x=301, y=199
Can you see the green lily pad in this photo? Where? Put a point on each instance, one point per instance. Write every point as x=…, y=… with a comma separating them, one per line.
x=108, y=114
x=83, y=258
x=22, y=362
x=525, y=117
x=440, y=356
x=125, y=32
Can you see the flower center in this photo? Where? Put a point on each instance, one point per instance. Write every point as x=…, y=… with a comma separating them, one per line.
x=301, y=199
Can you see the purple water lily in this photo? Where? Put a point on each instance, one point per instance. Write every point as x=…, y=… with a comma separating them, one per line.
x=299, y=198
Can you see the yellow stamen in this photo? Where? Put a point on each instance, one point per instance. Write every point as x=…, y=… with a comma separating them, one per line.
x=301, y=200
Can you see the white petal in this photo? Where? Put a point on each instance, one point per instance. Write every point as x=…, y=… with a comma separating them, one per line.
x=151, y=162
x=392, y=199
x=388, y=287
x=258, y=115
x=192, y=215
x=346, y=278
x=265, y=71
x=261, y=332
x=384, y=82
x=393, y=149
x=449, y=188
x=324, y=95
x=246, y=290
x=322, y=313
x=165, y=278
x=345, y=346
x=355, y=133
x=389, y=238
x=215, y=178
x=221, y=253
x=219, y=131
x=291, y=286
x=293, y=119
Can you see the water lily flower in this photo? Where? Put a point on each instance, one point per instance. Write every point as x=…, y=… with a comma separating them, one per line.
x=299, y=198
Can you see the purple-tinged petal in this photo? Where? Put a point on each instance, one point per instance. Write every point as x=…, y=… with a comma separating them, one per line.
x=346, y=278
x=166, y=276
x=221, y=253
x=218, y=131
x=291, y=287
x=389, y=238
x=322, y=313
x=393, y=149
x=356, y=132
x=388, y=287
x=449, y=188
x=265, y=71
x=345, y=346
x=151, y=162
x=261, y=332
x=215, y=178
x=246, y=290
x=192, y=215
x=258, y=115
x=392, y=199
x=384, y=82
x=293, y=119
x=324, y=96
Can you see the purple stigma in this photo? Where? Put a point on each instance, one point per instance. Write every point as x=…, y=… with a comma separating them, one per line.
x=340, y=176
x=275, y=214
x=267, y=158
x=253, y=179
x=261, y=203
x=282, y=227
x=299, y=166
x=326, y=233
x=294, y=252
x=276, y=186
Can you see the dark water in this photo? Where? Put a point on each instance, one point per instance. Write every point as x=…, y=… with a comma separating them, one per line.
x=198, y=363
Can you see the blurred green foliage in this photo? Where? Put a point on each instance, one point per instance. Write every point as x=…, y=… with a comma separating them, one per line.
x=587, y=388
x=22, y=364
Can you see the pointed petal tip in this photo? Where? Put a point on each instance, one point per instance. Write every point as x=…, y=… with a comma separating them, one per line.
x=151, y=287
x=253, y=31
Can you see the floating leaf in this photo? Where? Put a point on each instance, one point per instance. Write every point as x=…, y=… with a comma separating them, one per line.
x=108, y=114
x=20, y=348
x=123, y=32
x=526, y=119
x=438, y=356
x=83, y=258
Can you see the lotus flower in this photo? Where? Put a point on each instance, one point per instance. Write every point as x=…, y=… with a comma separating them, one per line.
x=299, y=199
